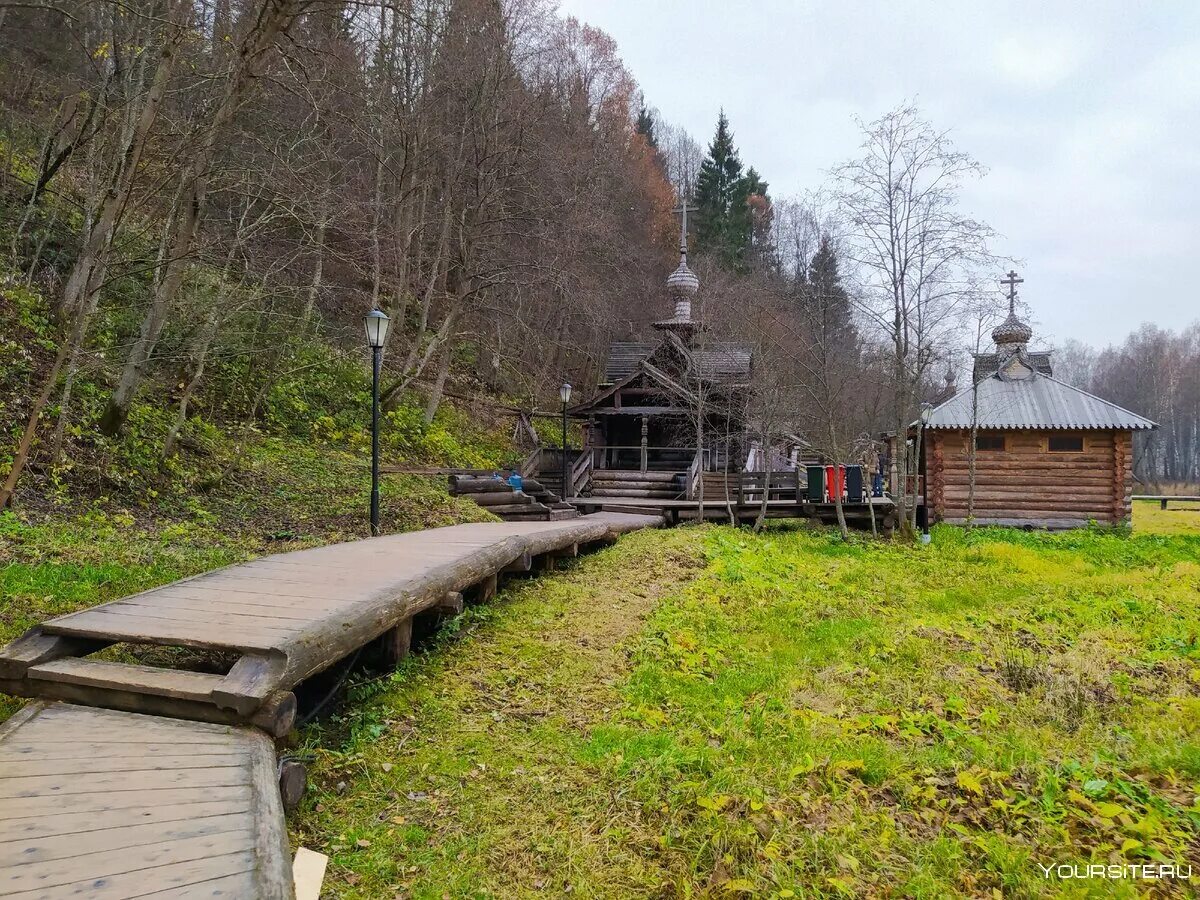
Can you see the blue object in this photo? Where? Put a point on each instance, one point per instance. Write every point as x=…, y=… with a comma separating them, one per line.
x=516, y=482
x=877, y=484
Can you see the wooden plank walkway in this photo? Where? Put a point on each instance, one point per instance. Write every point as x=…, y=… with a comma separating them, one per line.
x=104, y=801
x=287, y=617
x=112, y=805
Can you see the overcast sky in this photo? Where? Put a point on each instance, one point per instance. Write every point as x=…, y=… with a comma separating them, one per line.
x=1086, y=114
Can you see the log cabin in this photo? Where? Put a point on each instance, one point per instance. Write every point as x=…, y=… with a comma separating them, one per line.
x=1046, y=454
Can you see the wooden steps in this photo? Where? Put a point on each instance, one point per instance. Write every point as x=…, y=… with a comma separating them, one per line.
x=641, y=485
x=530, y=504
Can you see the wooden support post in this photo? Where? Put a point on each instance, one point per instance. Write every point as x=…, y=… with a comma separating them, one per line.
x=645, y=436
x=450, y=605
x=1162, y=503
x=520, y=565
x=483, y=591
x=293, y=781
x=391, y=648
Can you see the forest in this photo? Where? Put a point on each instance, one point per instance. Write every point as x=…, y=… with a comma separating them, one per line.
x=201, y=198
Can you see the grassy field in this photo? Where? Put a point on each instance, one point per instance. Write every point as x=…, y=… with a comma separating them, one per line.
x=704, y=712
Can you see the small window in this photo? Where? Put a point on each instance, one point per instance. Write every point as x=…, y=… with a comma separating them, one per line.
x=1066, y=443
x=989, y=442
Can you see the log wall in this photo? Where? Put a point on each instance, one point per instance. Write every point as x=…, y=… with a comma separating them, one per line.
x=1026, y=484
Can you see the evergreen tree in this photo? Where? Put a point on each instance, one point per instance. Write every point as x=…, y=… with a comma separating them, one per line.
x=827, y=304
x=645, y=126
x=716, y=188
x=729, y=220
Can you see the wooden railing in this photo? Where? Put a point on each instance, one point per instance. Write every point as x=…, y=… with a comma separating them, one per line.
x=580, y=475
x=531, y=465
x=748, y=487
x=695, y=473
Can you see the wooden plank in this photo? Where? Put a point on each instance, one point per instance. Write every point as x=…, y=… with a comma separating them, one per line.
x=276, y=715
x=147, y=812
x=36, y=647
x=52, y=803
x=49, y=848
x=252, y=679
x=114, y=782
x=127, y=676
x=148, y=880
x=229, y=887
x=128, y=763
x=200, y=623
x=98, y=721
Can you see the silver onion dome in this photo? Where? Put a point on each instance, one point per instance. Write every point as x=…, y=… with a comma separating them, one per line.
x=1012, y=331
x=683, y=281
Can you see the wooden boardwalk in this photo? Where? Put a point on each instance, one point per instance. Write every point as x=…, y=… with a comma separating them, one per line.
x=102, y=804
x=156, y=786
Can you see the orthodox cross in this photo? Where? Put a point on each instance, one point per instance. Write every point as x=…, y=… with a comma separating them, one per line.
x=683, y=209
x=1011, y=281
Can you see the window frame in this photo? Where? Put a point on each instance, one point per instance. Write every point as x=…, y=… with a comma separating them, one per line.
x=993, y=436
x=1051, y=438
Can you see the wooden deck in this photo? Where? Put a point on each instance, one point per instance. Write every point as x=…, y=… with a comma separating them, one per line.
x=103, y=800
x=111, y=805
x=718, y=510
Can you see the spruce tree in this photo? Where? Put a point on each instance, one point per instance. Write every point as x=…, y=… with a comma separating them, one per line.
x=717, y=187
x=645, y=126
x=725, y=221
x=827, y=304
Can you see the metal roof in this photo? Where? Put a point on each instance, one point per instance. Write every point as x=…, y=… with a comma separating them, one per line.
x=721, y=360
x=1036, y=401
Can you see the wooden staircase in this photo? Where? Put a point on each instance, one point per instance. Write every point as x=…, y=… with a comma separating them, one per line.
x=644, y=485
x=532, y=504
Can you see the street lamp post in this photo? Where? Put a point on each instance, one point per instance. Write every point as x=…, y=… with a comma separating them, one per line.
x=564, y=394
x=376, y=324
x=926, y=412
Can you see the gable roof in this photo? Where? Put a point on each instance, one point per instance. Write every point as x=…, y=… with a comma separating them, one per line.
x=720, y=360
x=1037, y=401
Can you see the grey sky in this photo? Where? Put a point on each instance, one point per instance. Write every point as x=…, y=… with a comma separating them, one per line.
x=1086, y=114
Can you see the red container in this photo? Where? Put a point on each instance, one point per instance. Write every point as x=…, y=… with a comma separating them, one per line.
x=835, y=482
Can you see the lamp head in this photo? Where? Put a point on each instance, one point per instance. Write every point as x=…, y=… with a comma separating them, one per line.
x=376, y=324
x=564, y=393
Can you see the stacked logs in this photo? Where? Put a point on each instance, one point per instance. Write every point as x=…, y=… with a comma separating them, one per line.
x=531, y=504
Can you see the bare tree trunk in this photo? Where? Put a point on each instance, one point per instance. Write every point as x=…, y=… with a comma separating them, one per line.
x=199, y=355
x=439, y=385
x=275, y=17
x=78, y=298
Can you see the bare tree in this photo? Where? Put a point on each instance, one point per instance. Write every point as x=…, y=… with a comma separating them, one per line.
x=915, y=258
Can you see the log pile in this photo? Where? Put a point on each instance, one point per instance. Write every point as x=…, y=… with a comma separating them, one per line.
x=534, y=503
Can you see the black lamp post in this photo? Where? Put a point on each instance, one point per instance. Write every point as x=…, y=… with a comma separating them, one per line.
x=376, y=324
x=926, y=414
x=564, y=394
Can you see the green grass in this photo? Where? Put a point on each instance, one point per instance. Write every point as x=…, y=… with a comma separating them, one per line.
x=705, y=712
x=1180, y=518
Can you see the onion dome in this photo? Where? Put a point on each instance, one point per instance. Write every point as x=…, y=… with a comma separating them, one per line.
x=683, y=281
x=1012, y=331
